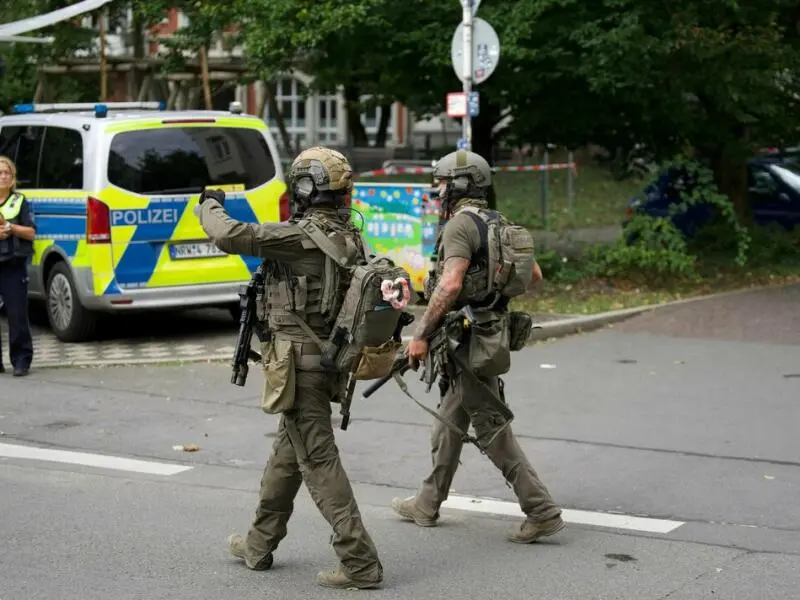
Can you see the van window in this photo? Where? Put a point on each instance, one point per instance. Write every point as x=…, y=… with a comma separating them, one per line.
x=9, y=139
x=28, y=154
x=187, y=159
x=62, y=160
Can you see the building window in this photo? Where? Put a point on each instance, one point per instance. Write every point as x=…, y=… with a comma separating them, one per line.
x=371, y=118
x=328, y=122
x=290, y=97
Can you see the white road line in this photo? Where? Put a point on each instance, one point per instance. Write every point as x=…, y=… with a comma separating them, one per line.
x=581, y=517
x=91, y=460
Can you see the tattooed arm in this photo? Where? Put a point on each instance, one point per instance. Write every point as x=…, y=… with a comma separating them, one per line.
x=443, y=297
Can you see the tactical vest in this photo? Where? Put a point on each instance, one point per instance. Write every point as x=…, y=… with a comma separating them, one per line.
x=501, y=269
x=475, y=289
x=303, y=302
x=14, y=246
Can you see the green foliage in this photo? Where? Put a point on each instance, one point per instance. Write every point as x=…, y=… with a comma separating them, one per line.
x=19, y=83
x=725, y=225
x=653, y=250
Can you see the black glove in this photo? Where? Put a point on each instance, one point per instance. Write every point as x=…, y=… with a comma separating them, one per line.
x=217, y=195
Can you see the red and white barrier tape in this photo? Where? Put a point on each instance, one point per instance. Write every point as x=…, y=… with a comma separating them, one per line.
x=427, y=170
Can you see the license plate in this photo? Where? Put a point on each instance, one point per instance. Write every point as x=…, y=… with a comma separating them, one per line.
x=194, y=250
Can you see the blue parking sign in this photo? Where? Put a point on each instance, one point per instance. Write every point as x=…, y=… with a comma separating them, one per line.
x=474, y=104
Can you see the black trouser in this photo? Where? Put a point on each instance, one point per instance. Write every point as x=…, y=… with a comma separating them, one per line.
x=14, y=290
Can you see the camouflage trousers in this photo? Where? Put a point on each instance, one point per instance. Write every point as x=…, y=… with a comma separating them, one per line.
x=504, y=451
x=305, y=451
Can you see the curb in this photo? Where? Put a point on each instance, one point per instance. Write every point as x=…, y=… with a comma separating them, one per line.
x=121, y=362
x=575, y=325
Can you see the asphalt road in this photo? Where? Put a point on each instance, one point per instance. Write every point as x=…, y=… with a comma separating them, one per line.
x=695, y=433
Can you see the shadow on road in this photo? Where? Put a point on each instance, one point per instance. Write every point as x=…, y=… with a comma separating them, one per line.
x=160, y=325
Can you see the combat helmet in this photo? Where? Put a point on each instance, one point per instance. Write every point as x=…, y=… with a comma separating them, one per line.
x=320, y=175
x=463, y=167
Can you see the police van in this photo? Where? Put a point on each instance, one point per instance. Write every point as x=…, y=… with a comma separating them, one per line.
x=113, y=187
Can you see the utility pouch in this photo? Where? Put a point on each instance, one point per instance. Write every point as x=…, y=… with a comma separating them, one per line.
x=519, y=327
x=279, y=376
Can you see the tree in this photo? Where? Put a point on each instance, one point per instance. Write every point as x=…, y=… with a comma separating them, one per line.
x=21, y=60
x=719, y=77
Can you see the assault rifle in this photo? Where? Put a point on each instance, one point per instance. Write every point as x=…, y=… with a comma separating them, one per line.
x=447, y=337
x=248, y=323
x=405, y=320
x=443, y=346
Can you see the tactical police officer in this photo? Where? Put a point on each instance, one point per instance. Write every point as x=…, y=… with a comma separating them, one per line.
x=460, y=275
x=17, y=231
x=297, y=304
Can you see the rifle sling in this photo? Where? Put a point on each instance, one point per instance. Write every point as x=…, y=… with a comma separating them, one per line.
x=449, y=424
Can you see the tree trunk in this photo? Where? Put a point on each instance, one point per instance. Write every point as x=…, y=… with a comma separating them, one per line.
x=730, y=175
x=276, y=111
x=483, y=142
x=103, y=62
x=206, y=79
x=352, y=97
x=383, y=125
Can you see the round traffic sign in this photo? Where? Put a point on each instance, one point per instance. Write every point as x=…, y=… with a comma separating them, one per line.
x=485, y=51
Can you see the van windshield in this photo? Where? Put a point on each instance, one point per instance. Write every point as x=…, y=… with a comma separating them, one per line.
x=185, y=160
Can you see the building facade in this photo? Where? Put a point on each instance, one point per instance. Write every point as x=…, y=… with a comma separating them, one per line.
x=310, y=117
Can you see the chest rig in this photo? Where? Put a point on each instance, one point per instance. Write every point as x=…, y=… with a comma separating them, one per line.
x=311, y=301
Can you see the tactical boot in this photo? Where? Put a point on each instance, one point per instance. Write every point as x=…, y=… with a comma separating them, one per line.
x=407, y=508
x=337, y=579
x=530, y=531
x=237, y=546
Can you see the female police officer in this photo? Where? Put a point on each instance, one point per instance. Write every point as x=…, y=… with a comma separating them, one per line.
x=17, y=231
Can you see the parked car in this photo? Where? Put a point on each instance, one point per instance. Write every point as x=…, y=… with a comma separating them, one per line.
x=773, y=185
x=113, y=186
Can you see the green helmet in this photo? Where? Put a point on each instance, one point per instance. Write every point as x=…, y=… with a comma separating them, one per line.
x=318, y=171
x=463, y=163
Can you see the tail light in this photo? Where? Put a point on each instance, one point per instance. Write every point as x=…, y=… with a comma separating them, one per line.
x=98, y=224
x=285, y=208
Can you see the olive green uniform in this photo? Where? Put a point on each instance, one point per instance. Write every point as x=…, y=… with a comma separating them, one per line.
x=305, y=449
x=461, y=238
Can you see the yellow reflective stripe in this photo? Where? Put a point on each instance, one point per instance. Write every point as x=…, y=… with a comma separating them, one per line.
x=39, y=246
x=240, y=122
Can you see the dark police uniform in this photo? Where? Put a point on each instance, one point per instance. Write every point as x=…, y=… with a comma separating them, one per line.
x=14, y=256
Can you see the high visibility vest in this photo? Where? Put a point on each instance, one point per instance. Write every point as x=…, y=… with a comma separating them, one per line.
x=11, y=207
x=13, y=246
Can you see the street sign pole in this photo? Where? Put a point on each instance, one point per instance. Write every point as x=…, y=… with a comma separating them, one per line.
x=467, y=20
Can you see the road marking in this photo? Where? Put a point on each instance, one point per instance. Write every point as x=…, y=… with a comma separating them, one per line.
x=91, y=460
x=580, y=517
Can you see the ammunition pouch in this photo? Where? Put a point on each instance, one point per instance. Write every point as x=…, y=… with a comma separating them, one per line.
x=376, y=361
x=489, y=352
x=519, y=327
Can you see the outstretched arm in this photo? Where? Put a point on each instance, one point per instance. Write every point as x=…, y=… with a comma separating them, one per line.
x=443, y=297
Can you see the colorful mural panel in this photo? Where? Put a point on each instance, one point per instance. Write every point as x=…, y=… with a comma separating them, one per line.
x=400, y=222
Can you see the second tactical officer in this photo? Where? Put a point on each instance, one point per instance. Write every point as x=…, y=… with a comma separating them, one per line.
x=301, y=290
x=17, y=232
x=461, y=278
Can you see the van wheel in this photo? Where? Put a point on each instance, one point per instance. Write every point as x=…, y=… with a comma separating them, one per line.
x=69, y=320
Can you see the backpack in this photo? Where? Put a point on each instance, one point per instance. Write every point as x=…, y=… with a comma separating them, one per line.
x=509, y=250
x=365, y=333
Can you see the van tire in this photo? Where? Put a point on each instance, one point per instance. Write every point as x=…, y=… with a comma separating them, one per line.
x=69, y=320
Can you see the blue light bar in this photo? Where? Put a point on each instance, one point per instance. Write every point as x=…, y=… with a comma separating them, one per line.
x=100, y=111
x=87, y=106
